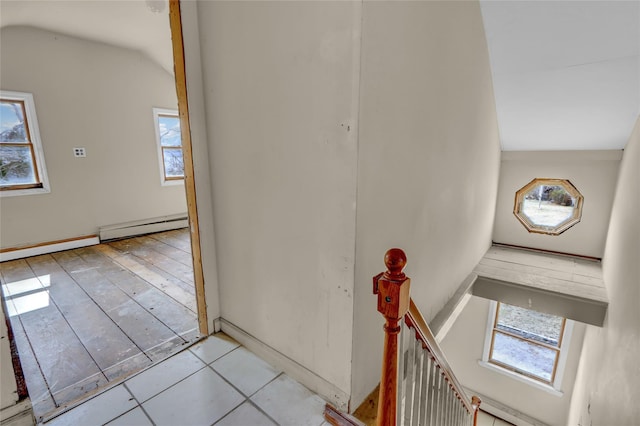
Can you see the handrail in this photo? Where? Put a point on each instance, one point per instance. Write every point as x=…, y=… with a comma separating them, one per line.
x=428, y=387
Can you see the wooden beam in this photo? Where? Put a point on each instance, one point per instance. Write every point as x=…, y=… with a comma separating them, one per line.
x=189, y=180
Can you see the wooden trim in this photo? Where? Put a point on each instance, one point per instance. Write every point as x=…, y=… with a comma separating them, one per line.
x=337, y=418
x=415, y=319
x=48, y=243
x=537, y=250
x=175, y=21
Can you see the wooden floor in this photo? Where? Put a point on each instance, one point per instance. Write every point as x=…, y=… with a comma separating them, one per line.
x=86, y=317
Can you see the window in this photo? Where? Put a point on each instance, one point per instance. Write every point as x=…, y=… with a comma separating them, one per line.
x=167, y=123
x=528, y=345
x=548, y=206
x=22, y=168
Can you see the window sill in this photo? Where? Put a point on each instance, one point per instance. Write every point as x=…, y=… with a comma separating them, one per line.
x=28, y=191
x=173, y=182
x=531, y=382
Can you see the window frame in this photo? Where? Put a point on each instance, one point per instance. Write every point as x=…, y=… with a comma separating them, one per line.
x=569, y=188
x=164, y=179
x=553, y=386
x=32, y=129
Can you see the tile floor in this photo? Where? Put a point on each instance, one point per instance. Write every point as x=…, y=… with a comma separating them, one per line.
x=216, y=381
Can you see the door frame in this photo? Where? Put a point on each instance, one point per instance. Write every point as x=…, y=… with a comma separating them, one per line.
x=175, y=21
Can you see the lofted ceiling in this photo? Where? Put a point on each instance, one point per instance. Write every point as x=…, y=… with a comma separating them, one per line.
x=134, y=24
x=566, y=74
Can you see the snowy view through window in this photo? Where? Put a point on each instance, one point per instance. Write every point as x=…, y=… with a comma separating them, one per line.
x=171, y=143
x=16, y=157
x=526, y=341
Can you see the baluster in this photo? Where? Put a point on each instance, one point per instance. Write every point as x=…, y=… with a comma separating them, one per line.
x=417, y=388
x=431, y=391
x=410, y=381
x=424, y=386
x=439, y=415
x=447, y=420
x=402, y=373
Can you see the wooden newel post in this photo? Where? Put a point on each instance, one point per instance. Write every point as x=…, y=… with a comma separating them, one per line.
x=475, y=403
x=392, y=288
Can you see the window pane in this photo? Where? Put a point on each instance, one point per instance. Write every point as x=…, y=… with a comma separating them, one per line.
x=12, y=127
x=548, y=205
x=173, y=162
x=169, y=130
x=16, y=167
x=524, y=356
x=544, y=328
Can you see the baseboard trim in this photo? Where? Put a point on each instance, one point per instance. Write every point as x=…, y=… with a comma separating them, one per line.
x=145, y=226
x=500, y=410
x=48, y=247
x=19, y=414
x=296, y=371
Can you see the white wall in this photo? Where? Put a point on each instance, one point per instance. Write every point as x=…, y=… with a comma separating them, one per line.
x=608, y=384
x=280, y=82
x=277, y=82
x=593, y=173
x=428, y=159
x=95, y=96
x=463, y=347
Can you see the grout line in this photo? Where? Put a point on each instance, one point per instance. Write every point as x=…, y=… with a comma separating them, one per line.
x=124, y=384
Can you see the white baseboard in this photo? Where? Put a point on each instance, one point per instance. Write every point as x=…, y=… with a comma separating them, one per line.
x=296, y=371
x=19, y=414
x=52, y=247
x=145, y=226
x=509, y=414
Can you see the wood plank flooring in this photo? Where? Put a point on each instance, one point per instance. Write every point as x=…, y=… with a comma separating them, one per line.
x=86, y=317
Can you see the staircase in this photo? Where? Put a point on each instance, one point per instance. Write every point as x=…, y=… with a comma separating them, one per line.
x=417, y=385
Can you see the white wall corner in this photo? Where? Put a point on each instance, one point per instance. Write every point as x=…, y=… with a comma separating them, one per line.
x=444, y=320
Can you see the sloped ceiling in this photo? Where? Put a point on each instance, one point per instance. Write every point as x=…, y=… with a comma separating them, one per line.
x=566, y=73
x=131, y=24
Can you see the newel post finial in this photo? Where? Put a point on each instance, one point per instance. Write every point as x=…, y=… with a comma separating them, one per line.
x=392, y=288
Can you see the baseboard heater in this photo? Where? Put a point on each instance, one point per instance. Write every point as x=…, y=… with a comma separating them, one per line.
x=145, y=226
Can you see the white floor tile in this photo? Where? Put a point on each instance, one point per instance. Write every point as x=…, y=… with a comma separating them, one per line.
x=98, y=410
x=245, y=415
x=289, y=403
x=200, y=399
x=135, y=417
x=245, y=371
x=213, y=347
x=159, y=377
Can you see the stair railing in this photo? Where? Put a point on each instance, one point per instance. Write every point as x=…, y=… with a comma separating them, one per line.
x=417, y=386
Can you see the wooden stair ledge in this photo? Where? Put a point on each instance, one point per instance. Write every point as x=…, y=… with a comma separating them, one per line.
x=568, y=286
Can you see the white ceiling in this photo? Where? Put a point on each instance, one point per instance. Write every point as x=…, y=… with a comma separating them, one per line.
x=126, y=23
x=566, y=74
